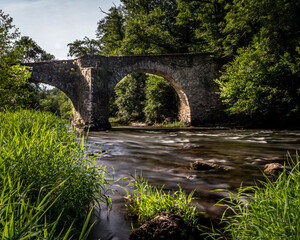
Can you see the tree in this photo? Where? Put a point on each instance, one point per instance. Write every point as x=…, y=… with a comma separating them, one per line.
x=130, y=97
x=55, y=101
x=110, y=31
x=160, y=26
x=13, y=76
x=145, y=97
x=173, y=26
x=84, y=47
x=161, y=100
x=32, y=52
x=263, y=79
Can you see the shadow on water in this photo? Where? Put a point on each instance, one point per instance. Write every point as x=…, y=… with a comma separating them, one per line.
x=164, y=156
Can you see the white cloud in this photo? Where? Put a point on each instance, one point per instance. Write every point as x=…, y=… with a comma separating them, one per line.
x=55, y=23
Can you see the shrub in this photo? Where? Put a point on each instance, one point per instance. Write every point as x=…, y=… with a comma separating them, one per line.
x=149, y=201
x=268, y=212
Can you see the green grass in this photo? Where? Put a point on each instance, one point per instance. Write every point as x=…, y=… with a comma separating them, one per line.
x=116, y=121
x=171, y=124
x=268, y=212
x=46, y=177
x=149, y=201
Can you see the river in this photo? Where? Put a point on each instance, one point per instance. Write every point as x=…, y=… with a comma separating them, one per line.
x=164, y=157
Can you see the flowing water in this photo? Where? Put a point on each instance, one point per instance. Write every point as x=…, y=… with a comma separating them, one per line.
x=164, y=158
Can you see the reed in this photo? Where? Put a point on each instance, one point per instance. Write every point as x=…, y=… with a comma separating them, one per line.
x=271, y=211
x=149, y=201
x=47, y=166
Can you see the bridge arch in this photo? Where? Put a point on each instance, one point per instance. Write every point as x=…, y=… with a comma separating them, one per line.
x=71, y=80
x=54, y=73
x=184, y=111
x=58, y=86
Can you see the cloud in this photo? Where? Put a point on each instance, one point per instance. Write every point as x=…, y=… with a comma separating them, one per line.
x=55, y=23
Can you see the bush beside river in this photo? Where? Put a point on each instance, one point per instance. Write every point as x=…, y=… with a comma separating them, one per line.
x=271, y=211
x=48, y=183
x=268, y=211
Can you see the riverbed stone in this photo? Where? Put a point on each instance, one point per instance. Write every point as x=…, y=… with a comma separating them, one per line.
x=273, y=168
x=202, y=165
x=167, y=226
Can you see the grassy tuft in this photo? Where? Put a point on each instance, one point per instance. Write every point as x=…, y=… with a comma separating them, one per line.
x=38, y=156
x=175, y=124
x=149, y=201
x=268, y=212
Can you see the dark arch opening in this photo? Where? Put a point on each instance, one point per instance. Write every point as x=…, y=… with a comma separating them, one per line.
x=46, y=97
x=181, y=104
x=184, y=111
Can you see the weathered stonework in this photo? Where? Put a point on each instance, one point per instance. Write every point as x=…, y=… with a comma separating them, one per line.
x=89, y=82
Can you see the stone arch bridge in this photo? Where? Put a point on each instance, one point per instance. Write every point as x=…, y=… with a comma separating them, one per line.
x=89, y=82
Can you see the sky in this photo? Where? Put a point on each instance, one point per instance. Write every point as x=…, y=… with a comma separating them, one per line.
x=52, y=24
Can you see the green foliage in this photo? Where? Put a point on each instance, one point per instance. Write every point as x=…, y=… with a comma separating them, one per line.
x=161, y=100
x=32, y=52
x=148, y=202
x=130, y=97
x=84, y=47
x=147, y=97
x=148, y=27
x=152, y=27
x=110, y=31
x=269, y=212
x=50, y=100
x=21, y=219
x=257, y=83
x=174, y=124
x=45, y=156
x=55, y=101
x=275, y=22
x=15, y=91
x=13, y=77
x=263, y=79
x=261, y=85
x=13, y=83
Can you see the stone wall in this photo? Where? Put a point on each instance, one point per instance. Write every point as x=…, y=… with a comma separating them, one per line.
x=89, y=82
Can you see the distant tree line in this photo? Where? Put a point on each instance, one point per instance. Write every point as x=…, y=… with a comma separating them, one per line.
x=15, y=90
x=258, y=41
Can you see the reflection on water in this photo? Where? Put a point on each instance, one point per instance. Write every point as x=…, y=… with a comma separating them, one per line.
x=164, y=158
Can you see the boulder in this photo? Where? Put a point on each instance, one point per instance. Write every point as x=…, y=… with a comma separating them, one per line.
x=167, y=226
x=201, y=165
x=273, y=168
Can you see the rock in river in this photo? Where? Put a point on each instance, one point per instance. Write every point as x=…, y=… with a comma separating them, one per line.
x=201, y=165
x=167, y=226
x=273, y=168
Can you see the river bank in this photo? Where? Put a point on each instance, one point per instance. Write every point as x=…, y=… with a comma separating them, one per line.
x=48, y=182
x=164, y=158
x=45, y=155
